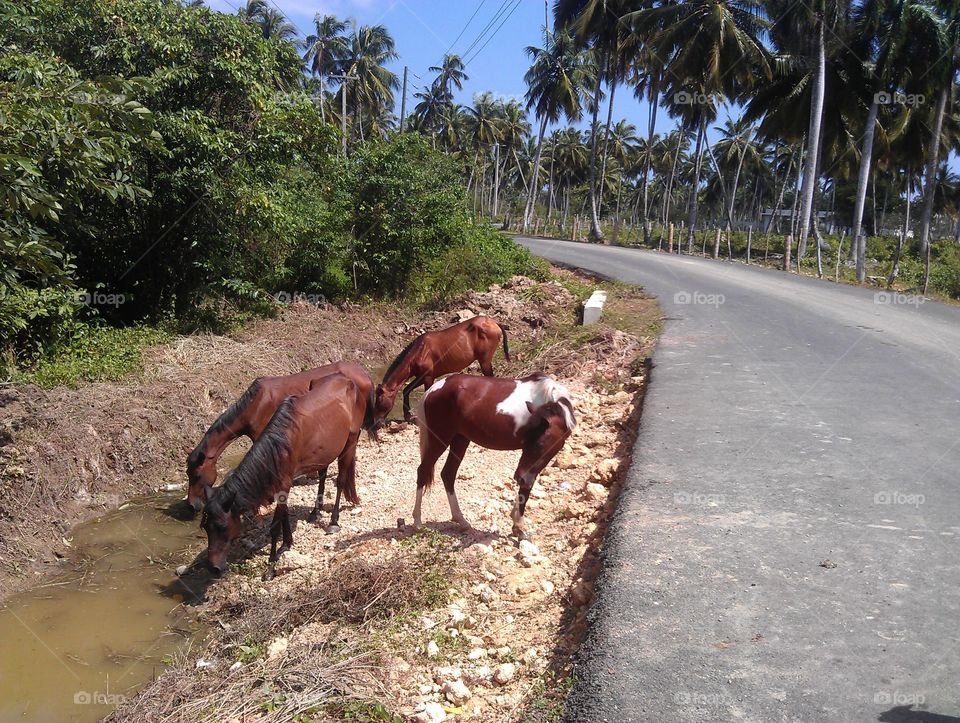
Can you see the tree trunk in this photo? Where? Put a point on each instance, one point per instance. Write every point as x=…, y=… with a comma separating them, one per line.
x=733, y=192
x=813, y=142
x=532, y=188
x=866, y=154
x=595, y=232
x=648, y=156
x=668, y=197
x=930, y=180
x=895, y=268
x=692, y=205
x=606, y=145
x=550, y=198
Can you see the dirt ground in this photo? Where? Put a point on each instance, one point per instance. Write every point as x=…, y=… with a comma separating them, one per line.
x=377, y=622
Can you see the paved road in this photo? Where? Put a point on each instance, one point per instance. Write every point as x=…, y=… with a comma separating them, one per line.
x=787, y=545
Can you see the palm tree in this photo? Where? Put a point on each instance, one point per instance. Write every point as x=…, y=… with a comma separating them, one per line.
x=274, y=24
x=556, y=84
x=450, y=73
x=370, y=90
x=325, y=50
x=734, y=148
x=712, y=49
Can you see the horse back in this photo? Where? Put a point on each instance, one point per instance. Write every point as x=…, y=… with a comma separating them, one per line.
x=325, y=418
x=457, y=347
x=467, y=405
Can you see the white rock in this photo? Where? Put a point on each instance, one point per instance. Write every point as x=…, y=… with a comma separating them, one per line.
x=477, y=654
x=448, y=672
x=426, y=689
x=433, y=650
x=277, y=647
x=180, y=570
x=528, y=549
x=236, y=666
x=530, y=655
x=547, y=586
x=457, y=615
x=456, y=692
x=504, y=651
x=432, y=713
x=504, y=673
x=428, y=623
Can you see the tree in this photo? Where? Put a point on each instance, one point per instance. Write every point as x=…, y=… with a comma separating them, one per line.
x=325, y=50
x=371, y=90
x=556, y=84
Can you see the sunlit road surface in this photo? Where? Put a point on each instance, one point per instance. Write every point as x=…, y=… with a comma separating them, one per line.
x=787, y=545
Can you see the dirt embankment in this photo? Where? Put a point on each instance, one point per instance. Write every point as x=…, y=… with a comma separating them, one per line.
x=376, y=623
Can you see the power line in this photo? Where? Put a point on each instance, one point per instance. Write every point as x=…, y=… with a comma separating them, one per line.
x=482, y=3
x=486, y=28
x=512, y=11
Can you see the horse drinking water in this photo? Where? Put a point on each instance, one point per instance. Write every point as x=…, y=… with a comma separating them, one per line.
x=436, y=353
x=534, y=414
x=250, y=414
x=304, y=435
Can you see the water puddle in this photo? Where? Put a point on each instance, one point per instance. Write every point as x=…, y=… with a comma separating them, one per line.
x=75, y=646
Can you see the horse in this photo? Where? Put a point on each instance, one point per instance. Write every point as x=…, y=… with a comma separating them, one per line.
x=250, y=414
x=437, y=353
x=533, y=414
x=305, y=434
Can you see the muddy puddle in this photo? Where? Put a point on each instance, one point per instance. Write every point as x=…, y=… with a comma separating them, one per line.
x=73, y=647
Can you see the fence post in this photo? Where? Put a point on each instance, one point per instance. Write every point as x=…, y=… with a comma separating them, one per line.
x=670, y=238
x=787, y=246
x=716, y=244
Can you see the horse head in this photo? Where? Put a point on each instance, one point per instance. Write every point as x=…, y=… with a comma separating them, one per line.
x=544, y=435
x=202, y=473
x=221, y=521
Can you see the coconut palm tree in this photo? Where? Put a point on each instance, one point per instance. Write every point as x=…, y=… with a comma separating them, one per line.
x=450, y=74
x=556, y=84
x=274, y=24
x=324, y=50
x=368, y=51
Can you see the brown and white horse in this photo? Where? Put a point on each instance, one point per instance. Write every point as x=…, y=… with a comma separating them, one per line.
x=437, y=353
x=533, y=414
x=304, y=435
x=250, y=414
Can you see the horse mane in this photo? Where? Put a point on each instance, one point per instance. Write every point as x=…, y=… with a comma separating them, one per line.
x=403, y=355
x=228, y=417
x=250, y=479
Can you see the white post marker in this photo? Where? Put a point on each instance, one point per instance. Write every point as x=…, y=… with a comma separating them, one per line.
x=593, y=307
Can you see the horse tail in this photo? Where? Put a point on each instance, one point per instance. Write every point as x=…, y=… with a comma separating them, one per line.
x=506, y=349
x=229, y=416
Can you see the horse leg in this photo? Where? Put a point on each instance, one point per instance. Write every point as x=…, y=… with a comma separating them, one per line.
x=523, y=494
x=346, y=477
x=458, y=447
x=429, y=454
x=318, y=507
x=486, y=363
x=276, y=526
x=406, y=399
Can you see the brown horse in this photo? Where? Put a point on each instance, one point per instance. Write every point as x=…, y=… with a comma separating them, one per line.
x=437, y=353
x=250, y=414
x=304, y=435
x=534, y=414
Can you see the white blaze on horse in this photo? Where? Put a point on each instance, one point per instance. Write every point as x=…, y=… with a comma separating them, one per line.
x=533, y=414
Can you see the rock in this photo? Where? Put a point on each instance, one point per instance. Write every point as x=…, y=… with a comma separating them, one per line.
x=605, y=472
x=457, y=615
x=447, y=673
x=504, y=673
x=503, y=651
x=482, y=550
x=425, y=689
x=485, y=593
x=594, y=491
x=433, y=650
x=547, y=586
x=477, y=654
x=581, y=593
x=462, y=315
x=293, y=560
x=456, y=692
x=475, y=640
x=432, y=713
x=428, y=623
x=530, y=655
x=528, y=549
x=276, y=647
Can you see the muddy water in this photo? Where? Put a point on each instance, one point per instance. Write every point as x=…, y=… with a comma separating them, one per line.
x=73, y=646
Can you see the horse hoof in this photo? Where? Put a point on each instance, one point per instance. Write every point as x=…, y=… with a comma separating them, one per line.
x=268, y=575
x=333, y=529
x=312, y=517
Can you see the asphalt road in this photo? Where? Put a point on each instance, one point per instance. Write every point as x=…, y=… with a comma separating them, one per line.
x=787, y=544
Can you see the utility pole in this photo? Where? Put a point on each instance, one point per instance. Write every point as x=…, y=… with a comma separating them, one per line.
x=496, y=178
x=403, y=101
x=343, y=106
